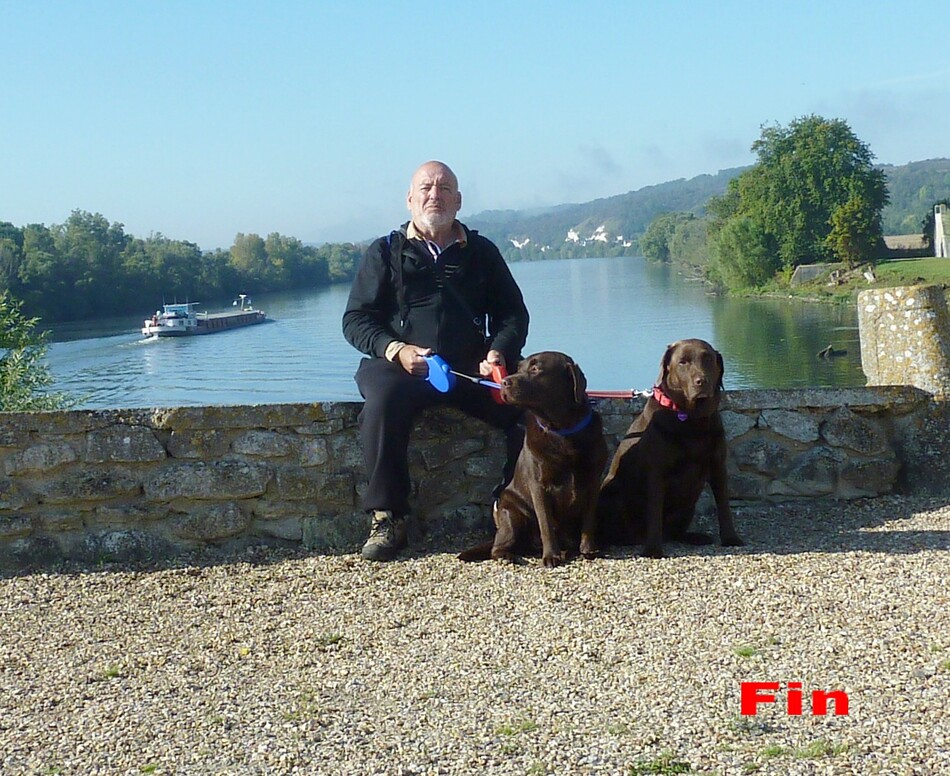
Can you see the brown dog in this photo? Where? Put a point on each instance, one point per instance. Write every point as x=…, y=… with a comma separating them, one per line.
x=550, y=503
x=672, y=449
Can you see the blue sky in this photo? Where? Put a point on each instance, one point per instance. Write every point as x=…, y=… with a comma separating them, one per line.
x=203, y=119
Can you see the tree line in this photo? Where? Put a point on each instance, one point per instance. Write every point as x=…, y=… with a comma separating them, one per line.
x=90, y=268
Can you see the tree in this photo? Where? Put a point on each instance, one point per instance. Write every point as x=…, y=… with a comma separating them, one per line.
x=855, y=231
x=806, y=171
x=655, y=241
x=813, y=196
x=23, y=375
x=743, y=255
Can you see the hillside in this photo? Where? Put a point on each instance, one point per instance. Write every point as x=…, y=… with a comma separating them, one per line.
x=612, y=226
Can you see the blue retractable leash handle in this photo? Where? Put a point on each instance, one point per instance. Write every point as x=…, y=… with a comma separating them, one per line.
x=442, y=378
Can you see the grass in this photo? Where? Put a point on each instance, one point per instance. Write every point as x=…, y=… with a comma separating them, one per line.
x=111, y=672
x=328, y=640
x=516, y=727
x=664, y=764
x=813, y=751
x=746, y=650
x=888, y=274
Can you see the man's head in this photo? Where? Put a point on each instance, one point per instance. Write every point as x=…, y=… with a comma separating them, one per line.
x=434, y=198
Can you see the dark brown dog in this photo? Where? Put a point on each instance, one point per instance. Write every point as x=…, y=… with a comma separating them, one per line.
x=549, y=506
x=672, y=449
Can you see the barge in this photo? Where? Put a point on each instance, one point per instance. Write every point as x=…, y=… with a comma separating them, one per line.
x=183, y=320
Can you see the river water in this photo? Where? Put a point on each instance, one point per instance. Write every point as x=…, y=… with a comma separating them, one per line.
x=613, y=316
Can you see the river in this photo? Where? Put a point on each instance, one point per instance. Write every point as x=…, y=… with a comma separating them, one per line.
x=614, y=316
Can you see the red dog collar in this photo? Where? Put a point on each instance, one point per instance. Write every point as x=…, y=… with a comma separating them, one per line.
x=666, y=402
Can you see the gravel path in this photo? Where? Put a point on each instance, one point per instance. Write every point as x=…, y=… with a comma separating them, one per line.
x=279, y=662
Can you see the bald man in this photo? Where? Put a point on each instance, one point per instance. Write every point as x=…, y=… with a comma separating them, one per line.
x=432, y=286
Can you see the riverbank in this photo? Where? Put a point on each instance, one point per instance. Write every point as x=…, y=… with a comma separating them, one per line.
x=841, y=285
x=287, y=662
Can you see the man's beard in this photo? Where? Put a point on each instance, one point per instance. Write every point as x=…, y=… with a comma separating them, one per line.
x=434, y=220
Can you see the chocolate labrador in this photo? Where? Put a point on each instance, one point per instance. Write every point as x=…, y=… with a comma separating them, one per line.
x=669, y=453
x=549, y=506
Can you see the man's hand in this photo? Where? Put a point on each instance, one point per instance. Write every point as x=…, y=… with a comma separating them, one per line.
x=412, y=359
x=494, y=358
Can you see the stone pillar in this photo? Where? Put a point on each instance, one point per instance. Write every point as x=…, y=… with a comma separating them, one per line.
x=905, y=337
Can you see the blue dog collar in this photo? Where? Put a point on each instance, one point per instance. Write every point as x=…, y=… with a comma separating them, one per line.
x=573, y=429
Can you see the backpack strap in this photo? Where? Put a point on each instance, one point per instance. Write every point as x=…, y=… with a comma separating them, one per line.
x=398, y=239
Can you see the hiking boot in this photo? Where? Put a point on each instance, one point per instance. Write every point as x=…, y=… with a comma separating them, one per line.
x=387, y=535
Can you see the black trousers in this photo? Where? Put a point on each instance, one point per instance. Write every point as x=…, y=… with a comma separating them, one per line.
x=393, y=399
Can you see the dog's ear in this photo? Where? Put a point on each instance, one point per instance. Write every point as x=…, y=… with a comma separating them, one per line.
x=665, y=364
x=722, y=370
x=580, y=383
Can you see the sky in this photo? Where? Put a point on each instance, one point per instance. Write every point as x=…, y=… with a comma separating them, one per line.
x=198, y=120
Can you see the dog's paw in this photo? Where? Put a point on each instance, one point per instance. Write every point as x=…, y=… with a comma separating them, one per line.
x=552, y=561
x=589, y=550
x=732, y=540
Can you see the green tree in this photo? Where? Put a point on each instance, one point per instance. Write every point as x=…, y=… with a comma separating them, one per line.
x=743, y=256
x=855, y=231
x=655, y=241
x=249, y=258
x=689, y=245
x=805, y=172
x=813, y=196
x=24, y=376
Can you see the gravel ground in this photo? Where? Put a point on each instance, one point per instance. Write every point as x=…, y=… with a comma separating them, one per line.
x=277, y=662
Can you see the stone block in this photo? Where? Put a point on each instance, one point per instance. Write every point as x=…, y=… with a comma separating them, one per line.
x=117, y=546
x=436, y=455
x=217, y=480
x=99, y=483
x=265, y=444
x=212, y=522
x=133, y=513
x=295, y=484
x=905, y=337
x=335, y=532
x=736, y=424
x=484, y=466
x=325, y=428
x=345, y=453
x=288, y=529
x=798, y=426
x=869, y=477
x=41, y=458
x=126, y=444
x=744, y=485
x=13, y=495
x=314, y=452
x=844, y=428
x=814, y=472
x=14, y=525
x=761, y=454
x=198, y=443
x=52, y=520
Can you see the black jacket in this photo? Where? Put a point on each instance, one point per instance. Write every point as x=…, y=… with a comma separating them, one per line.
x=430, y=314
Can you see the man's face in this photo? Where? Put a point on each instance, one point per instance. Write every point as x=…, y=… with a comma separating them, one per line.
x=434, y=198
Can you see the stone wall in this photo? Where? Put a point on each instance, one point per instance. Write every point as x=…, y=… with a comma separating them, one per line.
x=905, y=337
x=133, y=484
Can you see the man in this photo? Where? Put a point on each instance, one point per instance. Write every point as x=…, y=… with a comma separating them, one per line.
x=433, y=286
